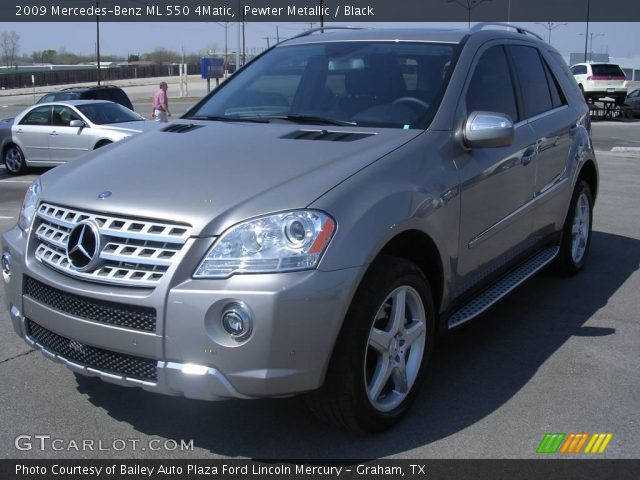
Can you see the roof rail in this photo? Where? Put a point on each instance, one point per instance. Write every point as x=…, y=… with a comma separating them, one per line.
x=480, y=26
x=322, y=29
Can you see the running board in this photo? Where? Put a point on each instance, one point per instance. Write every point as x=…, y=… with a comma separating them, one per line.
x=502, y=287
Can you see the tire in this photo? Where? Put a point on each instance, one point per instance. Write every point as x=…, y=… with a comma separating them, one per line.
x=365, y=390
x=576, y=232
x=14, y=159
x=102, y=143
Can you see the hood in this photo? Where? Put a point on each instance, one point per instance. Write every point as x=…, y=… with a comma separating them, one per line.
x=130, y=127
x=217, y=174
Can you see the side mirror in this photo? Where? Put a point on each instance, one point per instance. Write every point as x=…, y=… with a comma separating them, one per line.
x=488, y=129
x=77, y=123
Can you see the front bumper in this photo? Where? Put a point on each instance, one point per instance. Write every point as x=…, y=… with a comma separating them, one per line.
x=297, y=317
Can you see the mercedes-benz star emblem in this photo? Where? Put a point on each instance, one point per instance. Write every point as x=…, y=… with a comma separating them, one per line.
x=83, y=246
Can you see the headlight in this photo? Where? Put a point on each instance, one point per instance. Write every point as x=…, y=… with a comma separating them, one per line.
x=29, y=206
x=276, y=243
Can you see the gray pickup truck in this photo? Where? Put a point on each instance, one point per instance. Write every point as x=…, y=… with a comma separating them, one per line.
x=313, y=224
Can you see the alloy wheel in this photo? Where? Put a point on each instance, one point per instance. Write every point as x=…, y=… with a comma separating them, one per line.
x=580, y=228
x=395, y=348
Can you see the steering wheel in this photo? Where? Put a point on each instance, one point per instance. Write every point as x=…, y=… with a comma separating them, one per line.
x=413, y=101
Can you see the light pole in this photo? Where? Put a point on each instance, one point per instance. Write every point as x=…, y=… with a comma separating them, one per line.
x=589, y=40
x=98, y=40
x=468, y=5
x=225, y=25
x=551, y=26
x=586, y=36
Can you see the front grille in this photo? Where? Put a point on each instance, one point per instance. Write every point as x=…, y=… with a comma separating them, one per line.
x=130, y=316
x=85, y=355
x=135, y=252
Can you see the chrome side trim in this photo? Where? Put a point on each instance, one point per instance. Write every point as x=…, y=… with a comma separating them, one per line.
x=496, y=226
x=547, y=113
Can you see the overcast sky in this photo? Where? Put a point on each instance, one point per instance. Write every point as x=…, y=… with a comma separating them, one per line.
x=619, y=39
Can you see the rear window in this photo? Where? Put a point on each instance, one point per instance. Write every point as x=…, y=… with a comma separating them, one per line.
x=607, y=71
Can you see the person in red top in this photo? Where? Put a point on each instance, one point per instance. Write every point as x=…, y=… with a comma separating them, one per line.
x=161, y=104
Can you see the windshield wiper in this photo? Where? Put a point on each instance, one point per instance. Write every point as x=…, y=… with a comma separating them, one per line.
x=222, y=118
x=313, y=119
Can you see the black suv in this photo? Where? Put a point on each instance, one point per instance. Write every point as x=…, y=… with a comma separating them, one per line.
x=98, y=92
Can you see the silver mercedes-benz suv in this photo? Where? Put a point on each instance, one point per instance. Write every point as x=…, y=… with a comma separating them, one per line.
x=314, y=223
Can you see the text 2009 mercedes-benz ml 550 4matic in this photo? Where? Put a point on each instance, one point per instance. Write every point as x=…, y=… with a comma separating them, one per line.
x=313, y=224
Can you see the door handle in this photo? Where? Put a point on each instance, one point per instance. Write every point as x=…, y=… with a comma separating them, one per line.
x=54, y=133
x=19, y=130
x=529, y=155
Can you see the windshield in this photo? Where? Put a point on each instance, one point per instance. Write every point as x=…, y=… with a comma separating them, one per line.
x=104, y=113
x=389, y=84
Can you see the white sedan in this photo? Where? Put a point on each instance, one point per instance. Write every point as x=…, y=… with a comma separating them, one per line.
x=53, y=133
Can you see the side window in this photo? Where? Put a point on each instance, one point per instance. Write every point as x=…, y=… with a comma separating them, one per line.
x=93, y=95
x=533, y=80
x=37, y=116
x=47, y=98
x=583, y=70
x=574, y=70
x=557, y=96
x=491, y=87
x=62, y=116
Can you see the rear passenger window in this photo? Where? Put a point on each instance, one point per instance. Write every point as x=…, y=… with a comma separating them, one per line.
x=93, y=95
x=533, y=80
x=491, y=87
x=557, y=97
x=37, y=116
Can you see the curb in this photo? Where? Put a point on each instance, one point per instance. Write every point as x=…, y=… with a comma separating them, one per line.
x=626, y=149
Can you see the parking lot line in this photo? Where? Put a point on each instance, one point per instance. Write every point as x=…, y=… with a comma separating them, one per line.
x=5, y=218
x=15, y=181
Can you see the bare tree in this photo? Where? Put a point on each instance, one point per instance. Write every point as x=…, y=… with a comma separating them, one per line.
x=162, y=55
x=9, y=47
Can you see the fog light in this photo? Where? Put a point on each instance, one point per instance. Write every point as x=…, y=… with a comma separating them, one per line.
x=6, y=265
x=236, y=321
x=193, y=369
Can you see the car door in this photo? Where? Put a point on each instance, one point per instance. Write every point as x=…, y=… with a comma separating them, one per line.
x=496, y=183
x=67, y=142
x=633, y=99
x=554, y=124
x=31, y=133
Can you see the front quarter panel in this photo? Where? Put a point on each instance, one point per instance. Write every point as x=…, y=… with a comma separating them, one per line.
x=412, y=188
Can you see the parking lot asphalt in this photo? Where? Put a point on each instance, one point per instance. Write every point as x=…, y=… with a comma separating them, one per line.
x=557, y=355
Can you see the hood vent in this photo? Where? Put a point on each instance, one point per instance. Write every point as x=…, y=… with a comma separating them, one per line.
x=181, y=127
x=327, y=135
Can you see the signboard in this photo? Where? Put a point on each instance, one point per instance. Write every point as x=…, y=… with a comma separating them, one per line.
x=212, y=67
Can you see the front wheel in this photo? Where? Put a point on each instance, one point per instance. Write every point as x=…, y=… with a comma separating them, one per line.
x=381, y=354
x=576, y=233
x=14, y=160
